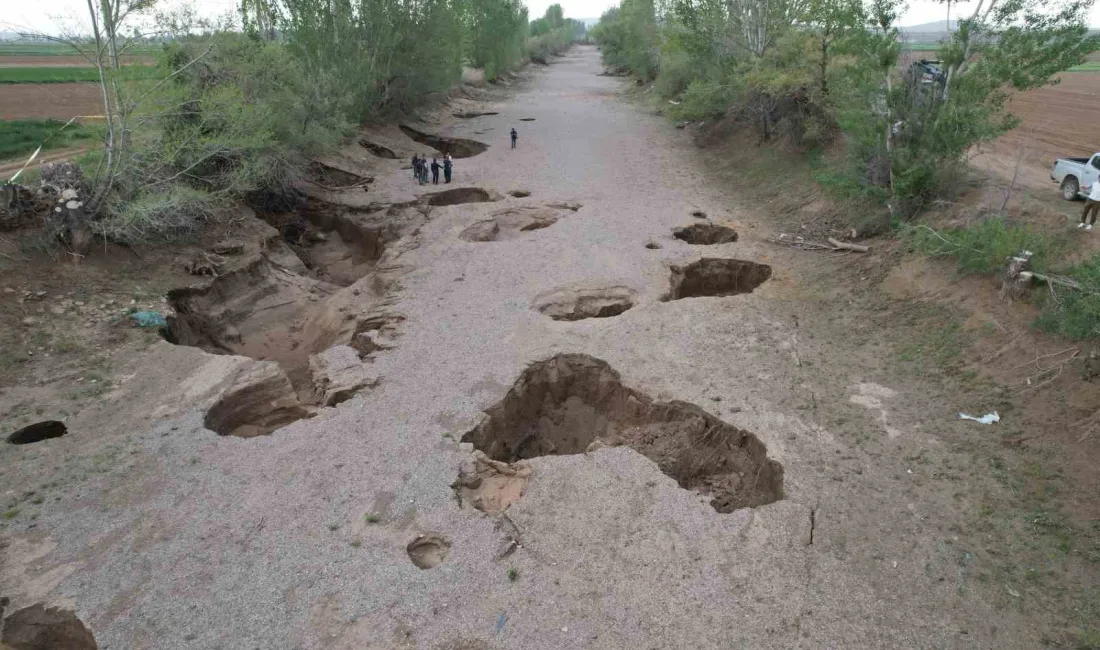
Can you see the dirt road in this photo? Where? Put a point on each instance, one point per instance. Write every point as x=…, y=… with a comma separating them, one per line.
x=875, y=534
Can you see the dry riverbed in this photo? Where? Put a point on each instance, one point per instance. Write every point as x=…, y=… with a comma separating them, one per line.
x=573, y=399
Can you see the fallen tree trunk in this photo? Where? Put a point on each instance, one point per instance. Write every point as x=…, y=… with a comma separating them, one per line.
x=836, y=243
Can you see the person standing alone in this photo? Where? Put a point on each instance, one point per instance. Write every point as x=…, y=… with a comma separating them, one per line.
x=514, y=136
x=447, y=162
x=1092, y=204
x=435, y=172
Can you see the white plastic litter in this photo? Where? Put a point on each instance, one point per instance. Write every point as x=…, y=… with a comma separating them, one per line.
x=988, y=418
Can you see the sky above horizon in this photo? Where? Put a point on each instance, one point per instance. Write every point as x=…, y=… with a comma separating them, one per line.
x=53, y=16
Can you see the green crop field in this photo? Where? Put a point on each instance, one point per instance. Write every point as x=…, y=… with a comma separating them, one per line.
x=17, y=48
x=47, y=75
x=918, y=46
x=21, y=137
x=1087, y=66
x=35, y=49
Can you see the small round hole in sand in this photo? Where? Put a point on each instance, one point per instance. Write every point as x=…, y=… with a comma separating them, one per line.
x=428, y=551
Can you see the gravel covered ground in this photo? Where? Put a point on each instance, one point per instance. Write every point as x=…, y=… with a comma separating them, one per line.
x=180, y=538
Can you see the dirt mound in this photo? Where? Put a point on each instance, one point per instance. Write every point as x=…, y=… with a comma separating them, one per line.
x=571, y=303
x=457, y=147
x=573, y=403
x=510, y=223
x=46, y=628
x=652, y=245
x=712, y=276
x=38, y=432
x=491, y=485
x=471, y=114
x=460, y=195
x=428, y=551
x=699, y=214
x=526, y=119
x=520, y=194
x=705, y=234
x=260, y=401
x=378, y=150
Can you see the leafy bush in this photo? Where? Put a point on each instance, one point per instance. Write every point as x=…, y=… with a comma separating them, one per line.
x=983, y=247
x=701, y=100
x=677, y=72
x=158, y=216
x=1070, y=313
x=241, y=118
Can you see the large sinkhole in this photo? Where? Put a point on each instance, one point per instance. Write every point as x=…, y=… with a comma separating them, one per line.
x=457, y=147
x=572, y=402
x=378, y=150
x=297, y=298
x=713, y=277
x=46, y=628
x=460, y=195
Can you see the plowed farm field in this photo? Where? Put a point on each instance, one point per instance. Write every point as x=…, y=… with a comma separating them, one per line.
x=57, y=101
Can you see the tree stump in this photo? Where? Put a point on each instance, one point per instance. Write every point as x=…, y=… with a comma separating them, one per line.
x=1017, y=277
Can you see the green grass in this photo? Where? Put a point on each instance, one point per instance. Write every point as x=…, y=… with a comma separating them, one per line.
x=939, y=350
x=74, y=74
x=21, y=137
x=1087, y=66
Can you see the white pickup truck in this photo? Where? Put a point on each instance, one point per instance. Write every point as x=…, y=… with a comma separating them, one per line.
x=1075, y=175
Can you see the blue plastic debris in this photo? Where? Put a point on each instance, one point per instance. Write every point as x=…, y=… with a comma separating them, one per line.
x=501, y=620
x=148, y=319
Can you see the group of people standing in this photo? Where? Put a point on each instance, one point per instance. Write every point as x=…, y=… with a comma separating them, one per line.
x=421, y=167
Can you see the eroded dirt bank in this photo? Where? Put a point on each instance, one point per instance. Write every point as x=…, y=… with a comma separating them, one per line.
x=620, y=404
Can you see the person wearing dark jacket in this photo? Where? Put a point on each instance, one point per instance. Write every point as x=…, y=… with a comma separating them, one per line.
x=435, y=172
x=447, y=163
x=514, y=136
x=416, y=166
